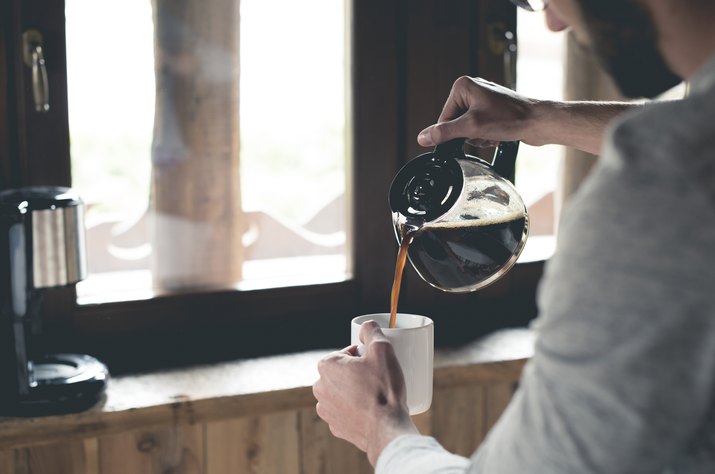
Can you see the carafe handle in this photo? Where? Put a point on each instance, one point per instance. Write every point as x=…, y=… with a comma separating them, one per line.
x=453, y=148
x=504, y=161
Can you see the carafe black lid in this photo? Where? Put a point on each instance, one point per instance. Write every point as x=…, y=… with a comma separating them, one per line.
x=428, y=186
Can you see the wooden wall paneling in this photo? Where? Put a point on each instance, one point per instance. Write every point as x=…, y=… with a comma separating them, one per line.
x=496, y=399
x=323, y=453
x=458, y=418
x=176, y=450
x=7, y=461
x=91, y=455
x=254, y=445
x=20, y=462
x=55, y=458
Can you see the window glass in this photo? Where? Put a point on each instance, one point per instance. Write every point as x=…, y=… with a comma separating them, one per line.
x=209, y=141
x=540, y=74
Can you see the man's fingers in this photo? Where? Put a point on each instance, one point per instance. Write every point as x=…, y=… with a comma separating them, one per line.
x=351, y=350
x=425, y=137
x=376, y=343
x=479, y=143
x=320, y=410
x=448, y=125
x=330, y=360
x=370, y=331
x=461, y=127
x=318, y=388
x=458, y=101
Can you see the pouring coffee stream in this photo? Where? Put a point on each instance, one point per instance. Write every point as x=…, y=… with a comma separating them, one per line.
x=458, y=218
x=397, y=281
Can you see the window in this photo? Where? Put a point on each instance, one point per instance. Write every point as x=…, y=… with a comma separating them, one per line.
x=251, y=125
x=540, y=74
x=364, y=77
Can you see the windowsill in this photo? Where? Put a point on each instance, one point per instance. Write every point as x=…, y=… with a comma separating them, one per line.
x=135, y=285
x=249, y=387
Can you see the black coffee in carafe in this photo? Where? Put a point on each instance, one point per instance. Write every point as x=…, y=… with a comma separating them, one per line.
x=455, y=256
x=464, y=223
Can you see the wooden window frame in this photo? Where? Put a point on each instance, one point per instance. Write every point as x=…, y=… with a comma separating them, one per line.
x=406, y=54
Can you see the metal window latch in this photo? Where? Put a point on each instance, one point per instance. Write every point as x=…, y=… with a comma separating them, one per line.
x=503, y=42
x=35, y=60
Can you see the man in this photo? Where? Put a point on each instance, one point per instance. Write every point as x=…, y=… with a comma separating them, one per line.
x=623, y=375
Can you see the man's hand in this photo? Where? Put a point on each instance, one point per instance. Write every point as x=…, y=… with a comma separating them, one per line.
x=483, y=112
x=362, y=398
x=486, y=113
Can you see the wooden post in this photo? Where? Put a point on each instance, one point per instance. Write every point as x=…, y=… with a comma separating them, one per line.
x=197, y=225
x=585, y=80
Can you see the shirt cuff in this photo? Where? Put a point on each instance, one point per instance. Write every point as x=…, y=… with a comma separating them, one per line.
x=418, y=454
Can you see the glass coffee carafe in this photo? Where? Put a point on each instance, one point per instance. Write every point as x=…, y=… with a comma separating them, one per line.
x=465, y=223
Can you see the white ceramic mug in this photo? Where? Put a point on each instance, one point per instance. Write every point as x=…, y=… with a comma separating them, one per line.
x=413, y=340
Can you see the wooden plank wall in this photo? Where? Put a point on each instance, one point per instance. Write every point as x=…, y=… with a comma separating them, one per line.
x=289, y=442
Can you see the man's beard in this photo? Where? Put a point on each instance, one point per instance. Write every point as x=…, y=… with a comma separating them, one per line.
x=624, y=40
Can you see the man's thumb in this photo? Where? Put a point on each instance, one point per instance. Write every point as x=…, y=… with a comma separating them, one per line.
x=370, y=331
x=440, y=133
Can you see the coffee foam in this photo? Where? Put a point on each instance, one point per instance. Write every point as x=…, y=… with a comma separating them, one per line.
x=496, y=205
x=477, y=222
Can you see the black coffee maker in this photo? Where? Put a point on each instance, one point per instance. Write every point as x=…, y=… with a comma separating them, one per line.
x=41, y=246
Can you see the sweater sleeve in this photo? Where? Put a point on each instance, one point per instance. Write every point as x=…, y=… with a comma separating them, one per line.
x=419, y=455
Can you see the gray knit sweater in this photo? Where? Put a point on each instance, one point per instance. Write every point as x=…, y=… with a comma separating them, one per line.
x=623, y=375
